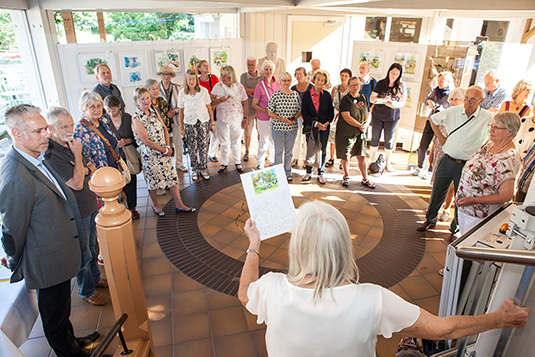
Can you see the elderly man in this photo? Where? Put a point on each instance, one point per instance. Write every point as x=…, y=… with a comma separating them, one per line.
x=65, y=156
x=272, y=54
x=249, y=80
x=42, y=231
x=468, y=128
x=315, y=64
x=105, y=87
x=494, y=94
x=169, y=91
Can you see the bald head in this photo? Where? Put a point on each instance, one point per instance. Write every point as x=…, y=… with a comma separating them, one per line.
x=492, y=82
x=315, y=64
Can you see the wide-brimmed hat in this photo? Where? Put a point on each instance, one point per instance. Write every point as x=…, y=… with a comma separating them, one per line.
x=166, y=69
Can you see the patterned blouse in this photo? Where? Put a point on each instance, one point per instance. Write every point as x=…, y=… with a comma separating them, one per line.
x=92, y=145
x=337, y=98
x=482, y=176
x=230, y=111
x=286, y=106
x=162, y=108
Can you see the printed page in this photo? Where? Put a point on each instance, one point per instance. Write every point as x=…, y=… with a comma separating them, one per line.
x=269, y=200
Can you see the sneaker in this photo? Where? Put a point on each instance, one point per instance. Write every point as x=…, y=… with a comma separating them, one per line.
x=306, y=177
x=182, y=168
x=195, y=176
x=444, y=216
x=425, y=175
x=289, y=178
x=205, y=175
x=417, y=171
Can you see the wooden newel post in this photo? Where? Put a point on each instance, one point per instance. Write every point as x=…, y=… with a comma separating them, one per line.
x=118, y=248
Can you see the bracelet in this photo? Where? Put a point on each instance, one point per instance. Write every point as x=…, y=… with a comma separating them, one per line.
x=166, y=150
x=251, y=250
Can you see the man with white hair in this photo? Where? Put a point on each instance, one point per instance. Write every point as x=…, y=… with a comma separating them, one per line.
x=494, y=93
x=315, y=64
x=468, y=128
x=42, y=231
x=65, y=156
x=272, y=54
x=249, y=80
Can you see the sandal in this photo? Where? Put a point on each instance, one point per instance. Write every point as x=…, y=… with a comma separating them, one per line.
x=222, y=169
x=329, y=163
x=240, y=169
x=368, y=183
x=345, y=182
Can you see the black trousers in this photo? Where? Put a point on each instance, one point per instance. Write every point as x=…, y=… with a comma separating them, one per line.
x=427, y=137
x=55, y=309
x=130, y=190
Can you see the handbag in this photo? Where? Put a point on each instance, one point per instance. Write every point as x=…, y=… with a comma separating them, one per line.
x=121, y=165
x=313, y=154
x=132, y=159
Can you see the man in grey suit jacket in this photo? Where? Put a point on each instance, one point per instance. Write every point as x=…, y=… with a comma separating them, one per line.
x=42, y=231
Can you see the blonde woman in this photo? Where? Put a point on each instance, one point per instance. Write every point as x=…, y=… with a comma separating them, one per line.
x=320, y=309
x=517, y=104
x=231, y=103
x=196, y=121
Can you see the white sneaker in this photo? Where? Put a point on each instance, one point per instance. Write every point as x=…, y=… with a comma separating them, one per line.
x=416, y=172
x=444, y=216
x=182, y=168
x=424, y=175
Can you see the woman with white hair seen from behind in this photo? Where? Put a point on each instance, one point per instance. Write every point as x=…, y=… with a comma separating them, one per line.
x=232, y=105
x=262, y=94
x=320, y=309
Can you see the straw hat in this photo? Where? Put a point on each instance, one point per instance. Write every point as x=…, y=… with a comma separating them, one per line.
x=166, y=69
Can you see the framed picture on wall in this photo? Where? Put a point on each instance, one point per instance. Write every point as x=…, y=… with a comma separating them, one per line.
x=192, y=56
x=172, y=58
x=219, y=57
x=134, y=68
x=87, y=63
x=408, y=61
x=375, y=61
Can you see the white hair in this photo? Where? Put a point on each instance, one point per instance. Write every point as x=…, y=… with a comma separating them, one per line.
x=251, y=58
x=54, y=114
x=268, y=63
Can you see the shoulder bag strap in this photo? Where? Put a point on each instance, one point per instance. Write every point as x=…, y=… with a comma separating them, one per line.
x=523, y=111
x=92, y=127
x=463, y=124
x=267, y=93
x=507, y=106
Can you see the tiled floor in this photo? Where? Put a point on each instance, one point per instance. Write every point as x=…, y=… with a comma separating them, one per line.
x=188, y=319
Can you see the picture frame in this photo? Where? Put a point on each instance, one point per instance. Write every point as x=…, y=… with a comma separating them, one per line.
x=134, y=68
x=171, y=58
x=87, y=63
x=192, y=56
x=219, y=57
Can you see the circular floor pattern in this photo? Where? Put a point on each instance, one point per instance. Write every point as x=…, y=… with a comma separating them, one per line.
x=208, y=246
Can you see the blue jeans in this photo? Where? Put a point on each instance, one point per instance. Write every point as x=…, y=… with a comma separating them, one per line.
x=89, y=275
x=284, y=143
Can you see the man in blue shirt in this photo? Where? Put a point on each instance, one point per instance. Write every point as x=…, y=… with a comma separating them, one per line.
x=494, y=94
x=105, y=87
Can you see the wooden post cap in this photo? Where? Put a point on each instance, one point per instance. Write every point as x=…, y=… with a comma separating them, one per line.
x=107, y=182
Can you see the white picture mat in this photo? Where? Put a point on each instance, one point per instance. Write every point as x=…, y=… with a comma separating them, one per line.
x=194, y=54
x=217, y=60
x=171, y=58
x=84, y=58
x=134, y=68
x=272, y=209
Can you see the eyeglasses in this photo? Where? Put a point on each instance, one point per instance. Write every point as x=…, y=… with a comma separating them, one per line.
x=471, y=100
x=93, y=107
x=353, y=85
x=494, y=127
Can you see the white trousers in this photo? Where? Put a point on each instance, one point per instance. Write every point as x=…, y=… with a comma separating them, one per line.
x=214, y=144
x=265, y=141
x=229, y=135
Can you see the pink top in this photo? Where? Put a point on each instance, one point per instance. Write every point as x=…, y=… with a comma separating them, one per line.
x=260, y=93
x=315, y=97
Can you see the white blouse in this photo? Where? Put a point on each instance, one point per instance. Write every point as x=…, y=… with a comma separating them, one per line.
x=194, y=106
x=347, y=325
x=232, y=109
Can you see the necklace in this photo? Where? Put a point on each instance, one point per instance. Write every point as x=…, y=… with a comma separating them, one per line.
x=492, y=149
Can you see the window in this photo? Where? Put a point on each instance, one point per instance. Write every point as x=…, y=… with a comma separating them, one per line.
x=405, y=29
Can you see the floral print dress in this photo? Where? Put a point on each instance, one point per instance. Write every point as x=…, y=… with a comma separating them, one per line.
x=482, y=176
x=158, y=169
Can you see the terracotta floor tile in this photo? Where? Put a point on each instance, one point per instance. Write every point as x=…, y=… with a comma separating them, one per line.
x=166, y=351
x=189, y=302
x=191, y=328
x=251, y=322
x=202, y=348
x=429, y=265
x=223, y=236
x=162, y=332
x=387, y=347
x=157, y=285
x=417, y=287
x=279, y=256
x=155, y=266
x=233, y=252
x=181, y=282
x=430, y=304
x=273, y=265
x=398, y=290
x=435, y=279
x=234, y=345
x=150, y=235
x=259, y=341
x=151, y=250
x=228, y=321
x=217, y=300
x=241, y=242
x=369, y=243
x=159, y=306
x=210, y=230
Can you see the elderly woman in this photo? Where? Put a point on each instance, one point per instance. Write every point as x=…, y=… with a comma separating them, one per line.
x=318, y=113
x=300, y=87
x=388, y=96
x=284, y=108
x=196, y=121
x=517, y=104
x=320, y=309
x=455, y=98
x=231, y=103
x=351, y=131
x=262, y=94
x=169, y=91
x=488, y=178
x=153, y=139
x=338, y=93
